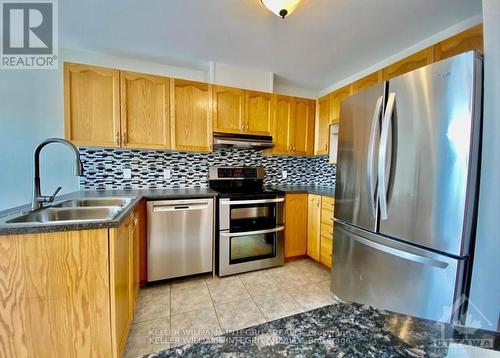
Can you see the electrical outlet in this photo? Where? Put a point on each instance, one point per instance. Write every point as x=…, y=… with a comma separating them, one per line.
x=167, y=174
x=284, y=174
x=127, y=173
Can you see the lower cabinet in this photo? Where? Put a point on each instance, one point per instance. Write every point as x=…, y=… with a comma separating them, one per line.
x=313, y=226
x=309, y=227
x=68, y=294
x=295, y=225
x=124, y=280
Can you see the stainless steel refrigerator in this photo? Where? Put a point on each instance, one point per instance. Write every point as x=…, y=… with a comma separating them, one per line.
x=406, y=190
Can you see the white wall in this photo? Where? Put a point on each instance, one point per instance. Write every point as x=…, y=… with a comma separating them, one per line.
x=31, y=109
x=485, y=288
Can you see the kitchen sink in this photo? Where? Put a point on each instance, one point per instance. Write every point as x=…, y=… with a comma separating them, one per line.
x=93, y=202
x=75, y=214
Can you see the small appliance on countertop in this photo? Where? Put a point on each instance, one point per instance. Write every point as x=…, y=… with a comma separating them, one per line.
x=250, y=220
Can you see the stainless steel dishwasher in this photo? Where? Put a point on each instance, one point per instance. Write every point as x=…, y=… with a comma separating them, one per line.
x=180, y=238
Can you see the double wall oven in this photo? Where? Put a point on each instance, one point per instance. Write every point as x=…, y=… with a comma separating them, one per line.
x=250, y=220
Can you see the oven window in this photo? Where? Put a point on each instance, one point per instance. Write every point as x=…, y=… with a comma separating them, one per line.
x=252, y=247
x=250, y=217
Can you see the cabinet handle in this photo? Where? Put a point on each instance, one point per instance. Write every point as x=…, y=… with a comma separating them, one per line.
x=117, y=138
x=124, y=138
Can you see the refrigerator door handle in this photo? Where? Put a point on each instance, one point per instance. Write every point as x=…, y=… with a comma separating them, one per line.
x=355, y=234
x=371, y=149
x=382, y=155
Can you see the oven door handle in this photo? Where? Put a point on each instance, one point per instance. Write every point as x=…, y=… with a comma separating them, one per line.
x=255, y=201
x=257, y=232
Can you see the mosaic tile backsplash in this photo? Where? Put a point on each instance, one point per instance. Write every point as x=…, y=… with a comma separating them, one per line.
x=103, y=168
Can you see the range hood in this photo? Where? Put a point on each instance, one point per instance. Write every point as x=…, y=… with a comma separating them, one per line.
x=248, y=141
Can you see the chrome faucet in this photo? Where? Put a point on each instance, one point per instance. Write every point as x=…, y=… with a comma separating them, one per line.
x=38, y=199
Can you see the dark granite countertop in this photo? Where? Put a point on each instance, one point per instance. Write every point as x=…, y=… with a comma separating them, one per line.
x=309, y=189
x=136, y=194
x=344, y=330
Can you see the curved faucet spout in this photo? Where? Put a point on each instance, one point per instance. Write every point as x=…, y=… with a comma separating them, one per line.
x=38, y=199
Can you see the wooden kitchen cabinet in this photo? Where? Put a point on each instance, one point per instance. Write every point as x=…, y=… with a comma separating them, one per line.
x=295, y=225
x=229, y=109
x=283, y=114
x=471, y=39
x=313, y=226
x=301, y=128
x=322, y=122
x=92, y=105
x=191, y=117
x=335, y=98
x=258, y=112
x=326, y=231
x=123, y=281
x=410, y=63
x=145, y=117
x=293, y=130
x=367, y=82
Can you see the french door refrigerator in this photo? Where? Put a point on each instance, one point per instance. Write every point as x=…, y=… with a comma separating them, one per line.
x=406, y=190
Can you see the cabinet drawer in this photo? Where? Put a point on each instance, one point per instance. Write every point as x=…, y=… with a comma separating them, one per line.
x=326, y=230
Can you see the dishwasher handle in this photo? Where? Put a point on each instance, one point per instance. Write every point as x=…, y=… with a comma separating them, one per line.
x=179, y=207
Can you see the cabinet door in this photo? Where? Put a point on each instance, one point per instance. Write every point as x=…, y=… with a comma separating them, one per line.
x=335, y=98
x=91, y=105
x=417, y=60
x=259, y=111
x=145, y=120
x=285, y=109
x=120, y=254
x=229, y=109
x=471, y=39
x=367, y=81
x=134, y=258
x=322, y=122
x=313, y=226
x=191, y=115
x=295, y=225
x=302, y=127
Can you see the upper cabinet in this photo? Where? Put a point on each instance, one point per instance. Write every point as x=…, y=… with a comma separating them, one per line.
x=367, y=81
x=145, y=121
x=301, y=130
x=92, y=105
x=293, y=130
x=321, y=123
x=191, y=117
x=471, y=39
x=258, y=112
x=410, y=63
x=335, y=98
x=229, y=109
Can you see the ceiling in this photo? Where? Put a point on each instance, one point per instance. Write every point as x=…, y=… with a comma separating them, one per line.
x=322, y=42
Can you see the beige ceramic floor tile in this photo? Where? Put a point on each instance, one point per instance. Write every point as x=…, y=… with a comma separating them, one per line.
x=314, y=273
x=288, y=276
x=189, y=299
x=152, y=307
x=278, y=304
x=310, y=296
x=227, y=291
x=215, y=279
x=259, y=283
x=188, y=282
x=148, y=337
x=155, y=289
x=238, y=314
x=193, y=326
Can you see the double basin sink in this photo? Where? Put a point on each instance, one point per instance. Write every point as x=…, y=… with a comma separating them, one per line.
x=74, y=211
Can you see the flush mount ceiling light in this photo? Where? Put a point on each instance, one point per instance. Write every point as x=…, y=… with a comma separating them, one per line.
x=282, y=8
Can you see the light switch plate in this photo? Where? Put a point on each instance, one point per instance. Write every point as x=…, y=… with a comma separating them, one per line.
x=284, y=174
x=127, y=173
x=167, y=174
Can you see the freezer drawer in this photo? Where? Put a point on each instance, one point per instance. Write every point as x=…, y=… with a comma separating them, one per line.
x=388, y=274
